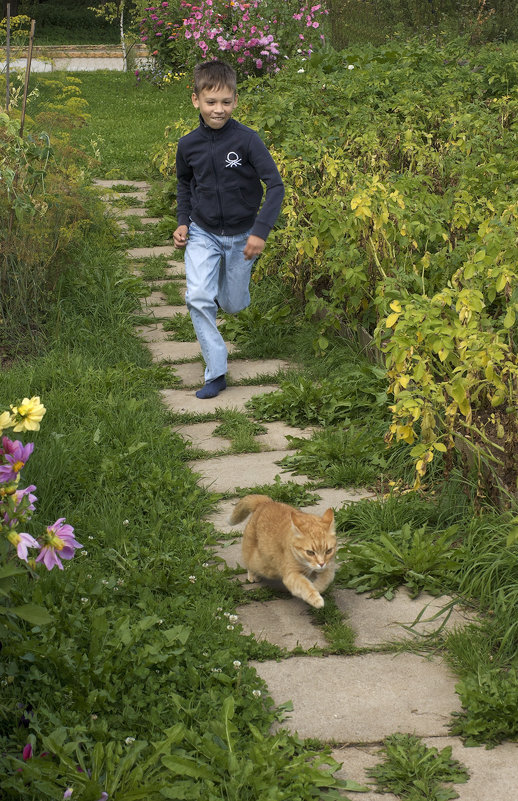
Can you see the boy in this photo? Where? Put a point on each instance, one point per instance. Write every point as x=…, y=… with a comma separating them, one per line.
x=219, y=167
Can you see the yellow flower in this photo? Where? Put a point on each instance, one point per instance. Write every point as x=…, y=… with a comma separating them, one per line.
x=31, y=411
x=6, y=420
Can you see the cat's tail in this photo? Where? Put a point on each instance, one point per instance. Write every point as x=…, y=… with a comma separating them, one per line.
x=246, y=506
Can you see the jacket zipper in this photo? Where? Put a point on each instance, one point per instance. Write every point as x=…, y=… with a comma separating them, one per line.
x=213, y=139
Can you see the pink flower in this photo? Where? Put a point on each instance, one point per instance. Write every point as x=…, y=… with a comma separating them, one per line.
x=27, y=752
x=58, y=537
x=316, y=24
x=258, y=63
x=21, y=543
x=16, y=455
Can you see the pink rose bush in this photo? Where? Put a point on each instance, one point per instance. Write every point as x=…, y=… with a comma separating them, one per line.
x=17, y=505
x=255, y=37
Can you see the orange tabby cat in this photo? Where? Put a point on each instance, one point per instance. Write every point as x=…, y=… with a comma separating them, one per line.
x=281, y=542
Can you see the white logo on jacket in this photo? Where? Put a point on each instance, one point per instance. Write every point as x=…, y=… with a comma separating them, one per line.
x=233, y=160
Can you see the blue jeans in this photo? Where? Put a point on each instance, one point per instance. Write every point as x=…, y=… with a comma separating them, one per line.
x=215, y=268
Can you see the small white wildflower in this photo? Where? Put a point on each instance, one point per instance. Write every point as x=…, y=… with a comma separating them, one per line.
x=216, y=670
x=104, y=581
x=88, y=575
x=125, y=522
x=129, y=740
x=84, y=553
x=205, y=653
x=115, y=589
x=226, y=614
x=205, y=564
x=94, y=717
x=120, y=582
x=236, y=663
x=219, y=609
x=301, y=70
x=230, y=628
x=192, y=579
x=84, y=600
x=256, y=693
x=160, y=621
x=232, y=618
x=350, y=66
x=217, y=617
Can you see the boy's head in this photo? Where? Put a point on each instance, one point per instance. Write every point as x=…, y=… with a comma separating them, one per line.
x=215, y=92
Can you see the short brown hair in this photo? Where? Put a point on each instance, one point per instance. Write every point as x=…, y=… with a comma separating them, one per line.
x=214, y=75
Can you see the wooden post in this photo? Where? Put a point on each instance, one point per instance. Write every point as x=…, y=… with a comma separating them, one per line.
x=27, y=75
x=7, y=56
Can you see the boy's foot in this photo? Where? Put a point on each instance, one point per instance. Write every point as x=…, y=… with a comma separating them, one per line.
x=212, y=388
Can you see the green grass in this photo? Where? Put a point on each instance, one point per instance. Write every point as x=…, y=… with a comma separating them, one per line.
x=123, y=149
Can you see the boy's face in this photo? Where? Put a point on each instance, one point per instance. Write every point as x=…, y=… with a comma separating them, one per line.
x=215, y=105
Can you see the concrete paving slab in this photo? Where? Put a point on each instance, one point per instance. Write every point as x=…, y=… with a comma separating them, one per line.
x=134, y=211
x=191, y=374
x=362, y=699
x=239, y=369
x=201, y=435
x=230, y=552
x=156, y=298
x=150, y=221
x=176, y=267
x=493, y=773
x=164, y=312
x=276, y=433
x=377, y=621
x=220, y=517
x=152, y=333
x=173, y=351
x=355, y=762
x=146, y=253
x=284, y=622
x=108, y=183
x=226, y=473
x=184, y=400
x=336, y=498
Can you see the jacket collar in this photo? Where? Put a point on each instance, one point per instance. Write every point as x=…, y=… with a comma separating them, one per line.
x=207, y=130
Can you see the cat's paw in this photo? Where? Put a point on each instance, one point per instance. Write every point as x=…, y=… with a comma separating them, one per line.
x=250, y=576
x=317, y=602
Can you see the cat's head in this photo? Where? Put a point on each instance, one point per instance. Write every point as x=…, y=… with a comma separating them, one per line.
x=314, y=539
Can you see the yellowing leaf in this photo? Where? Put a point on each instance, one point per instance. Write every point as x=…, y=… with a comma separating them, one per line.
x=392, y=320
x=396, y=306
x=509, y=318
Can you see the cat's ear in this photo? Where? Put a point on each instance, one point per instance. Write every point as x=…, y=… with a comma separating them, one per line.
x=297, y=523
x=328, y=517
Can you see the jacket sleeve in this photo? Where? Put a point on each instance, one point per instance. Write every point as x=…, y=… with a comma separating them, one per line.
x=267, y=171
x=184, y=175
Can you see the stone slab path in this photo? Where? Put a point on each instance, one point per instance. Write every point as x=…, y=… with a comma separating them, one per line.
x=350, y=700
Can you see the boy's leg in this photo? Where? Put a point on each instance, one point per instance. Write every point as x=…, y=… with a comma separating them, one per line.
x=234, y=275
x=203, y=256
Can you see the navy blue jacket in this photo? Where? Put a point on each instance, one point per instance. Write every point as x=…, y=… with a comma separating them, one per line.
x=219, y=174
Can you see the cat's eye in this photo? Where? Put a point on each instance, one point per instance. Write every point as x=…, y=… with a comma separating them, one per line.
x=329, y=550
x=310, y=553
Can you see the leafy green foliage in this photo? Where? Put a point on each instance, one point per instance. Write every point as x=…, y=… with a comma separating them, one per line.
x=283, y=492
x=239, y=428
x=417, y=558
x=415, y=772
x=180, y=326
x=488, y=697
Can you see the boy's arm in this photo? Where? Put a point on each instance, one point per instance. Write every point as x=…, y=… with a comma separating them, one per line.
x=267, y=171
x=184, y=176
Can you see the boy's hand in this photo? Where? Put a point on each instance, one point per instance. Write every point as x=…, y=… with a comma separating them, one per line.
x=180, y=236
x=254, y=246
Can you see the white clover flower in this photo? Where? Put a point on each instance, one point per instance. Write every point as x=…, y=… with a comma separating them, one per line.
x=84, y=600
x=160, y=621
x=236, y=663
x=125, y=522
x=104, y=581
x=192, y=579
x=219, y=609
x=256, y=693
x=205, y=564
x=350, y=66
x=129, y=740
x=90, y=537
x=84, y=553
x=94, y=717
x=232, y=618
x=216, y=670
x=230, y=628
x=301, y=70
